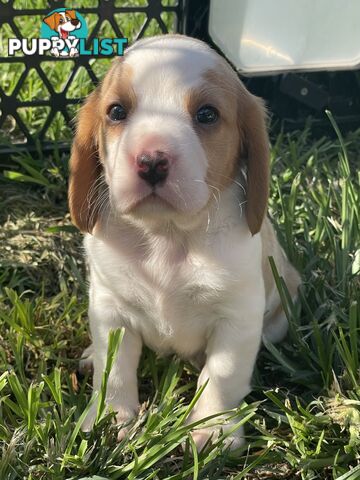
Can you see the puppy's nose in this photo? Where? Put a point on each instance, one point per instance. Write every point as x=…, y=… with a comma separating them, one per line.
x=153, y=167
x=75, y=22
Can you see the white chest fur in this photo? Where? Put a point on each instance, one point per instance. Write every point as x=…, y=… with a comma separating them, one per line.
x=172, y=289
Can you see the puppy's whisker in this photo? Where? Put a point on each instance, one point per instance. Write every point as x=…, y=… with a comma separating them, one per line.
x=176, y=188
x=233, y=180
x=217, y=190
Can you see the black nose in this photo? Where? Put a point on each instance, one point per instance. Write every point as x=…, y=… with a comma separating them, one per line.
x=75, y=22
x=153, y=167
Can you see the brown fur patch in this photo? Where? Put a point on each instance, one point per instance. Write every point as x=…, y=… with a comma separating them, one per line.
x=117, y=87
x=88, y=148
x=71, y=13
x=220, y=141
x=85, y=167
x=256, y=152
x=239, y=135
x=52, y=20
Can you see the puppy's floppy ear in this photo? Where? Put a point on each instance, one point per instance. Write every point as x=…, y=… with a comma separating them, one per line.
x=71, y=13
x=52, y=20
x=256, y=152
x=85, y=166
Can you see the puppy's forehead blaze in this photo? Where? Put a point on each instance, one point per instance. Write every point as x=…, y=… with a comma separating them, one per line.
x=173, y=67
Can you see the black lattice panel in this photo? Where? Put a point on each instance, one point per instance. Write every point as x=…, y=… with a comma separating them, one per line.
x=39, y=95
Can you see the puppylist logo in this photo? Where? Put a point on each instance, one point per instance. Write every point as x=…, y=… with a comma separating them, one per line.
x=63, y=33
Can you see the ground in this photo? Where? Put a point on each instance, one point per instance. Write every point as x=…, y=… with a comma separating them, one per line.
x=302, y=418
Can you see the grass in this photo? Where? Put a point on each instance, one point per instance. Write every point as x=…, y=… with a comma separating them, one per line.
x=302, y=418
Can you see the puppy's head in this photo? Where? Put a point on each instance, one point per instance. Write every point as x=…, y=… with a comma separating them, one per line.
x=63, y=22
x=170, y=124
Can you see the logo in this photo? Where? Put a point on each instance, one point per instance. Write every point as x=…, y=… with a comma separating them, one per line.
x=63, y=33
x=64, y=28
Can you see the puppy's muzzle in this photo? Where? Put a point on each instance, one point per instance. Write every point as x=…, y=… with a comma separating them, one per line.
x=153, y=167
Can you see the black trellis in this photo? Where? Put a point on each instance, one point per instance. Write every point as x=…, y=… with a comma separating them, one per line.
x=58, y=101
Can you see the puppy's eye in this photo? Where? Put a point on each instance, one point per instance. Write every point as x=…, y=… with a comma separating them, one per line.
x=207, y=115
x=117, y=113
x=61, y=20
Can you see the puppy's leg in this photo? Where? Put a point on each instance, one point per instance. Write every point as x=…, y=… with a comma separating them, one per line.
x=55, y=52
x=73, y=50
x=122, y=390
x=275, y=322
x=276, y=326
x=87, y=360
x=231, y=355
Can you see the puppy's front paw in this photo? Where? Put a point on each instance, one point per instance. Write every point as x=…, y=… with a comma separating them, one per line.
x=90, y=418
x=235, y=440
x=205, y=436
x=86, y=361
x=122, y=418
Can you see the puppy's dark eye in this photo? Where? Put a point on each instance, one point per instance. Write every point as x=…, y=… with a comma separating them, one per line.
x=61, y=20
x=207, y=115
x=117, y=113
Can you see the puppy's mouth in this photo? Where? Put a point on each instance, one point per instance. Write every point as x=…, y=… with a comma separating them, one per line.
x=64, y=34
x=150, y=203
x=153, y=199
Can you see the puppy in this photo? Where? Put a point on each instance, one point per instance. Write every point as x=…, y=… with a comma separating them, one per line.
x=63, y=23
x=170, y=181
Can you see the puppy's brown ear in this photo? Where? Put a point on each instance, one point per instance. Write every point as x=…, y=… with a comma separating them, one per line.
x=71, y=13
x=52, y=20
x=255, y=150
x=85, y=166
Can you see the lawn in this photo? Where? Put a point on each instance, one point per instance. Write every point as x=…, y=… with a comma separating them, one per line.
x=302, y=419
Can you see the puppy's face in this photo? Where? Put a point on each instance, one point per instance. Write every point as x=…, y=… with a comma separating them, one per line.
x=167, y=130
x=162, y=118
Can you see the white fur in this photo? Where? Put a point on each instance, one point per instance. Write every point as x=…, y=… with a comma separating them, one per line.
x=181, y=279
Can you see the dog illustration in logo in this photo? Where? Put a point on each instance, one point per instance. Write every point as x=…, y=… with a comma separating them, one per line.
x=63, y=23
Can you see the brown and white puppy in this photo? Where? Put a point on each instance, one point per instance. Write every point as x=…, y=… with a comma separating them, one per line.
x=63, y=23
x=170, y=180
